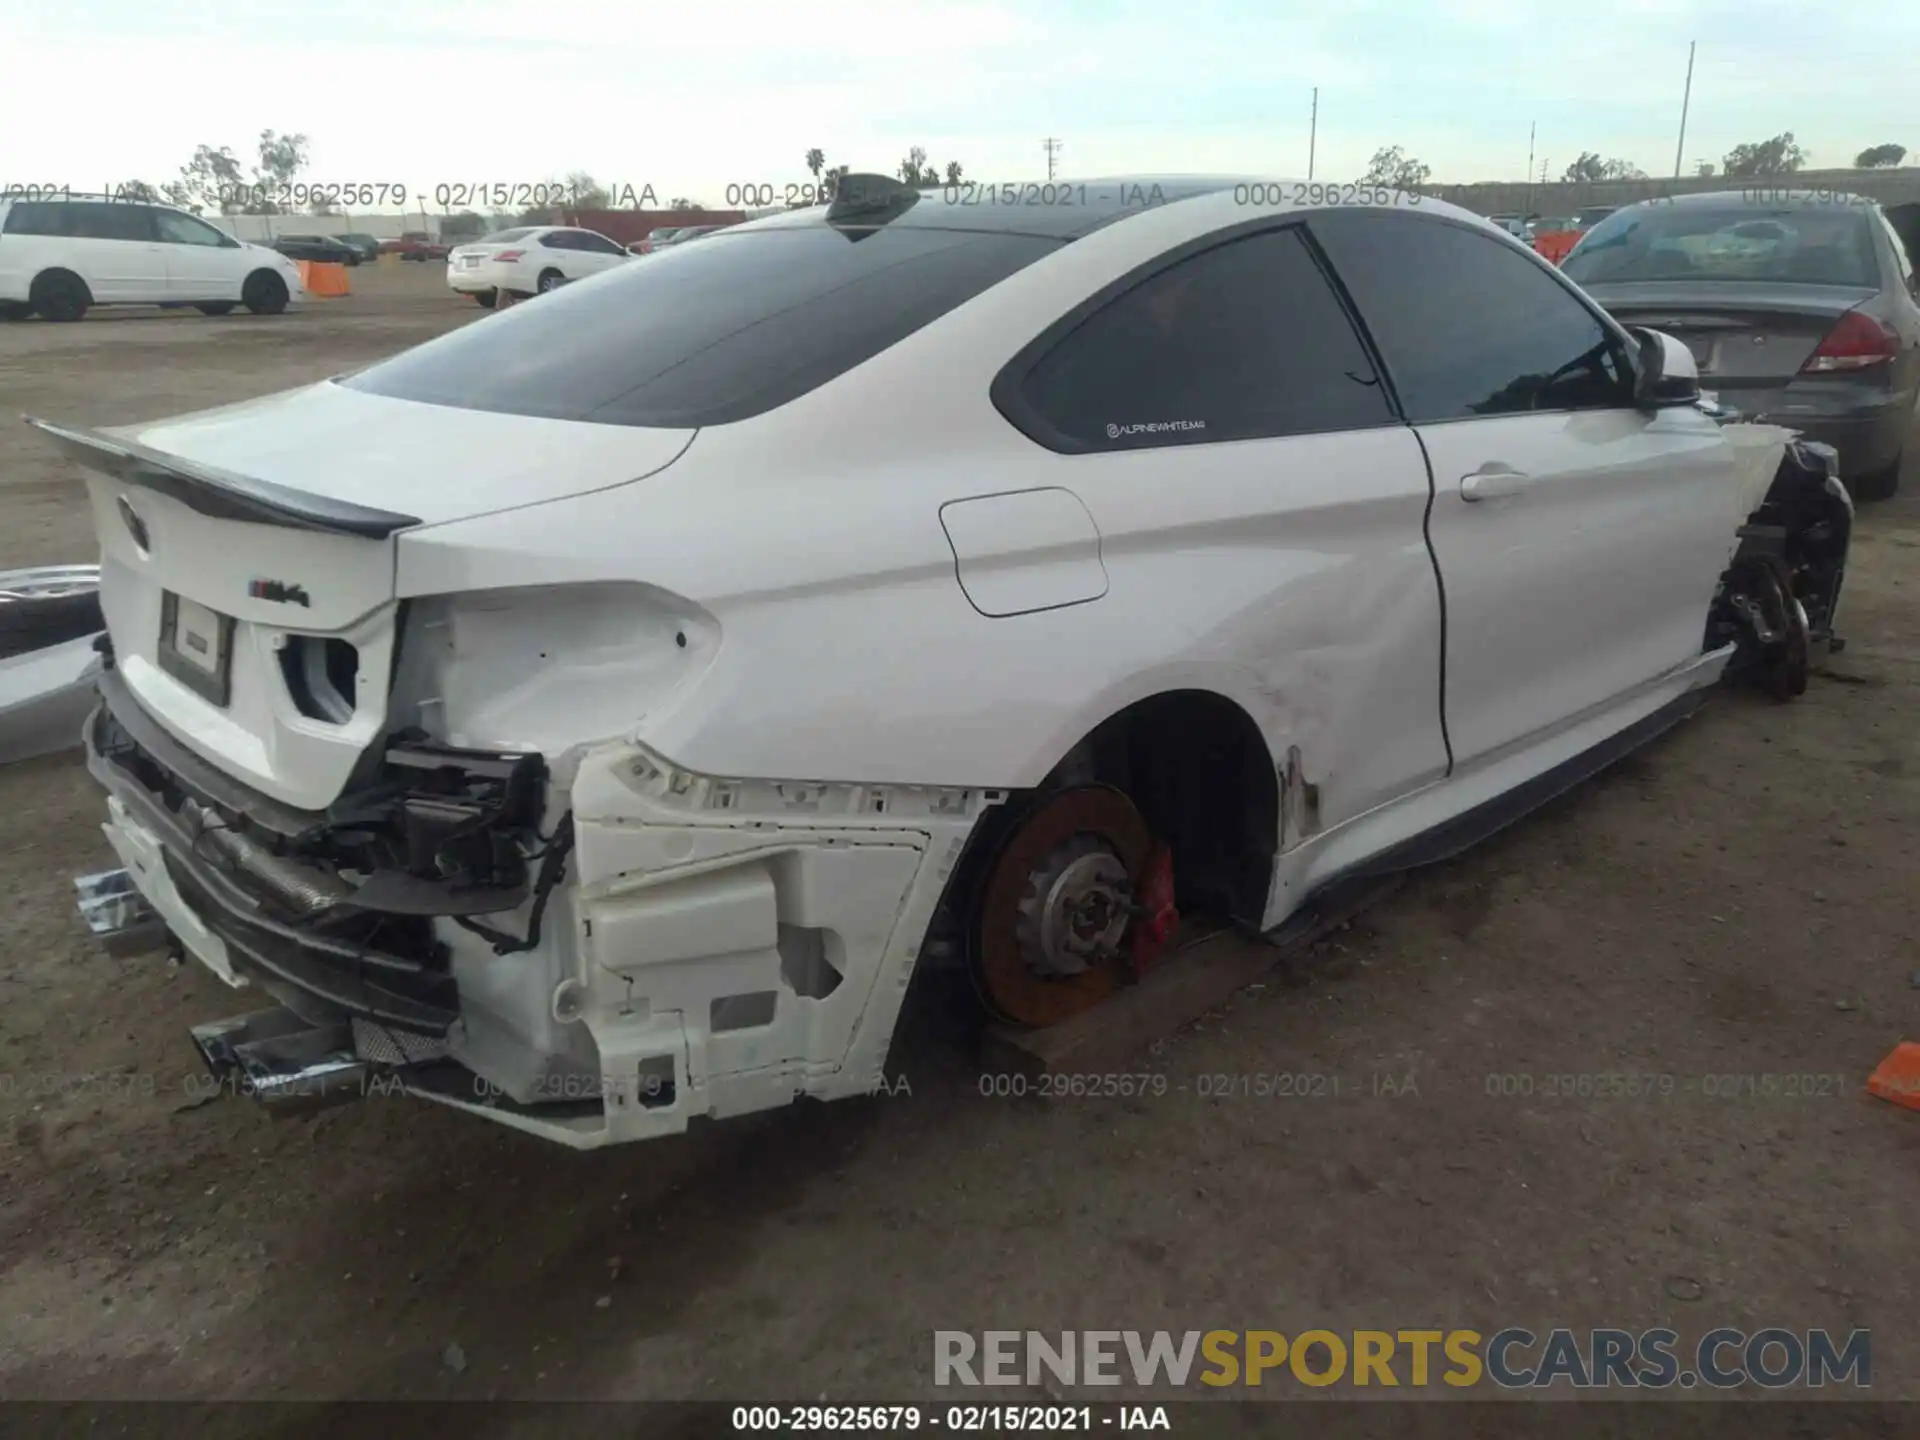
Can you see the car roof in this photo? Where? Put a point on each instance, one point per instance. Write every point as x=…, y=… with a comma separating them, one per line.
x=1069, y=209
x=1759, y=197
x=1062, y=210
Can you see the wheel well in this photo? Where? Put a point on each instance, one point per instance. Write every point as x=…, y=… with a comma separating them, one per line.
x=1198, y=768
x=266, y=270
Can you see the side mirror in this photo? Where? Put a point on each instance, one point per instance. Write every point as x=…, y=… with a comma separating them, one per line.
x=1667, y=376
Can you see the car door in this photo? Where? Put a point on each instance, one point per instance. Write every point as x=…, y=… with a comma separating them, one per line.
x=1579, y=539
x=600, y=252
x=116, y=252
x=202, y=263
x=1252, y=509
x=563, y=253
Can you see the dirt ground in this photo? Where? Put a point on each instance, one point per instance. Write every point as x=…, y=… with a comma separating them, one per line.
x=1742, y=900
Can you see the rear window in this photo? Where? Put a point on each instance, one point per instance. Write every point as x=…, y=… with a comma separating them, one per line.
x=36, y=217
x=1805, y=245
x=710, y=334
x=500, y=237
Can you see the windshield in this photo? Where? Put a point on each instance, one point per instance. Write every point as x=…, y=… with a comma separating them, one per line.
x=1824, y=245
x=501, y=237
x=711, y=333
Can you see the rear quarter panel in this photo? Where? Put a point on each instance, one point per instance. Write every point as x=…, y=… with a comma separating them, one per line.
x=848, y=649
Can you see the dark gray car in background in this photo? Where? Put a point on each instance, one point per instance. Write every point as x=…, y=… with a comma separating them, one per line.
x=1800, y=307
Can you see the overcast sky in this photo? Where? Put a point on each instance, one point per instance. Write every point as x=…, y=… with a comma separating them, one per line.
x=689, y=95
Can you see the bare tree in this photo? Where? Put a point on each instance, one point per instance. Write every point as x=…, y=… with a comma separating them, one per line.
x=1590, y=168
x=211, y=180
x=1778, y=156
x=1393, y=166
x=584, y=192
x=282, y=157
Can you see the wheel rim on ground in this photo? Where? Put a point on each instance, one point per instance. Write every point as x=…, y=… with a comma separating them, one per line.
x=1050, y=933
x=48, y=582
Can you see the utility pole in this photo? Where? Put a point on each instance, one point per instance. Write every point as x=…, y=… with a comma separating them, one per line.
x=1685, y=99
x=1527, y=205
x=1052, y=147
x=1313, y=131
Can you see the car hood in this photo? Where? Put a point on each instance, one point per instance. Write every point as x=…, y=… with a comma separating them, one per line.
x=425, y=463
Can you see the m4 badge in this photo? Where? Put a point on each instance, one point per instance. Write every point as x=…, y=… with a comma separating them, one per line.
x=279, y=591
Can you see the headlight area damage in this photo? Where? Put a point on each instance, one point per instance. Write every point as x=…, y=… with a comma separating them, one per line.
x=595, y=961
x=1780, y=595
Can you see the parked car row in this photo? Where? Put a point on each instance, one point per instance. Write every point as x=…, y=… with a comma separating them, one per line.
x=415, y=245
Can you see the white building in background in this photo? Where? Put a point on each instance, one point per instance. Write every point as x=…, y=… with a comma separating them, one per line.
x=265, y=228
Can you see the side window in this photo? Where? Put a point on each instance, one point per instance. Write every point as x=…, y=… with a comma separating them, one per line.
x=1240, y=342
x=110, y=220
x=181, y=229
x=560, y=240
x=37, y=217
x=599, y=244
x=1467, y=326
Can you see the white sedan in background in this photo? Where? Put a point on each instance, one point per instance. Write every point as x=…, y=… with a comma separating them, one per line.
x=530, y=260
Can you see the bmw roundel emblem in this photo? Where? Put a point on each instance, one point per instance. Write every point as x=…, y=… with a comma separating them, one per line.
x=136, y=527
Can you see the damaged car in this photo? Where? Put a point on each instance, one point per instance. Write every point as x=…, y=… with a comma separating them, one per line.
x=596, y=718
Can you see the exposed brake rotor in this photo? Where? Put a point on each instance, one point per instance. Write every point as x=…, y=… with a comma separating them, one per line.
x=1052, y=927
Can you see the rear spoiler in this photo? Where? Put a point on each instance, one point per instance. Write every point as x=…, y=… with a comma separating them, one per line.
x=219, y=493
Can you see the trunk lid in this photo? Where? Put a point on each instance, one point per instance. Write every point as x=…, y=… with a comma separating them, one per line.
x=1751, y=335
x=235, y=539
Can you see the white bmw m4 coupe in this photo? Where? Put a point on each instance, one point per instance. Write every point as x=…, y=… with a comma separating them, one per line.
x=594, y=717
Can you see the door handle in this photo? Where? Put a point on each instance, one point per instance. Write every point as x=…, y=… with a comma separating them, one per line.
x=1490, y=482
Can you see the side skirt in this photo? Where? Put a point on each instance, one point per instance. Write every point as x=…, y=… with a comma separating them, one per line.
x=1461, y=832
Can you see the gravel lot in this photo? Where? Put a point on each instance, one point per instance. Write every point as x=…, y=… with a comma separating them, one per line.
x=1738, y=900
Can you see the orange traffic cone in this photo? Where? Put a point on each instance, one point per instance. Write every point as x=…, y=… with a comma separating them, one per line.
x=1897, y=1078
x=325, y=280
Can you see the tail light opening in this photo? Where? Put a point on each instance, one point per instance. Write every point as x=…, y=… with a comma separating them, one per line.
x=1856, y=342
x=509, y=255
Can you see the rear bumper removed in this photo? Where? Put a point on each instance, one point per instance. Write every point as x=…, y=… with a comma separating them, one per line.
x=715, y=947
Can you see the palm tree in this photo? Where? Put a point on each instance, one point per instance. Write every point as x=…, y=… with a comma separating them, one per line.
x=953, y=172
x=816, y=158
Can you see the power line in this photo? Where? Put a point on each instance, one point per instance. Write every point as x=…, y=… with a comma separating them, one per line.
x=1052, y=147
